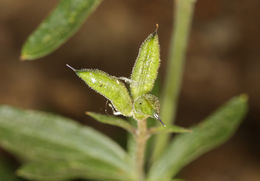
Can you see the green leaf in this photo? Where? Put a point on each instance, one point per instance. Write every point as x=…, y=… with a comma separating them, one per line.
x=168, y=129
x=110, y=87
x=212, y=132
x=60, y=25
x=112, y=120
x=40, y=136
x=67, y=170
x=7, y=173
x=146, y=67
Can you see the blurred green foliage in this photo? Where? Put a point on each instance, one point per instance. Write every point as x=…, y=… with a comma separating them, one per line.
x=54, y=148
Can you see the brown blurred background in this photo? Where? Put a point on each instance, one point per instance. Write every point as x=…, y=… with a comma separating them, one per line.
x=222, y=61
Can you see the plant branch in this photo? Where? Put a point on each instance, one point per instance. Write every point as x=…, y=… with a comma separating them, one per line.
x=141, y=138
x=181, y=28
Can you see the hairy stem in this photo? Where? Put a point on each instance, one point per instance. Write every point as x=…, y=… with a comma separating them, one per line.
x=170, y=92
x=141, y=138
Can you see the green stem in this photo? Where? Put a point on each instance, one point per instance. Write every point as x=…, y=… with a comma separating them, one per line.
x=141, y=138
x=181, y=28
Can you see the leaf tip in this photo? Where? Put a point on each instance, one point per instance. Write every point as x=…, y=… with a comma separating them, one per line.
x=91, y=114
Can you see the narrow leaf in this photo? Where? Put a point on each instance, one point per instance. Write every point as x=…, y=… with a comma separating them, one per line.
x=67, y=170
x=60, y=25
x=40, y=136
x=168, y=129
x=112, y=120
x=212, y=132
x=146, y=67
x=110, y=87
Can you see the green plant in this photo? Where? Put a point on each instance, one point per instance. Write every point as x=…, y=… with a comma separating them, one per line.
x=57, y=148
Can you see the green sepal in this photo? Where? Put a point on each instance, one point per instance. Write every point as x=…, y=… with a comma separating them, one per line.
x=146, y=106
x=145, y=70
x=110, y=87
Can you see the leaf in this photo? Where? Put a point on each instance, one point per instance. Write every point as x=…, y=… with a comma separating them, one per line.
x=110, y=87
x=7, y=173
x=67, y=170
x=59, y=26
x=168, y=129
x=146, y=67
x=209, y=134
x=40, y=136
x=112, y=120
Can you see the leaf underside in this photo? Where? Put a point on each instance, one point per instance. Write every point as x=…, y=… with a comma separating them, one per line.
x=67, y=170
x=51, y=139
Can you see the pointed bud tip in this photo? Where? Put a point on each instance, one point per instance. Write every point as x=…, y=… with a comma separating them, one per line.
x=156, y=27
x=73, y=69
x=156, y=30
x=23, y=57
